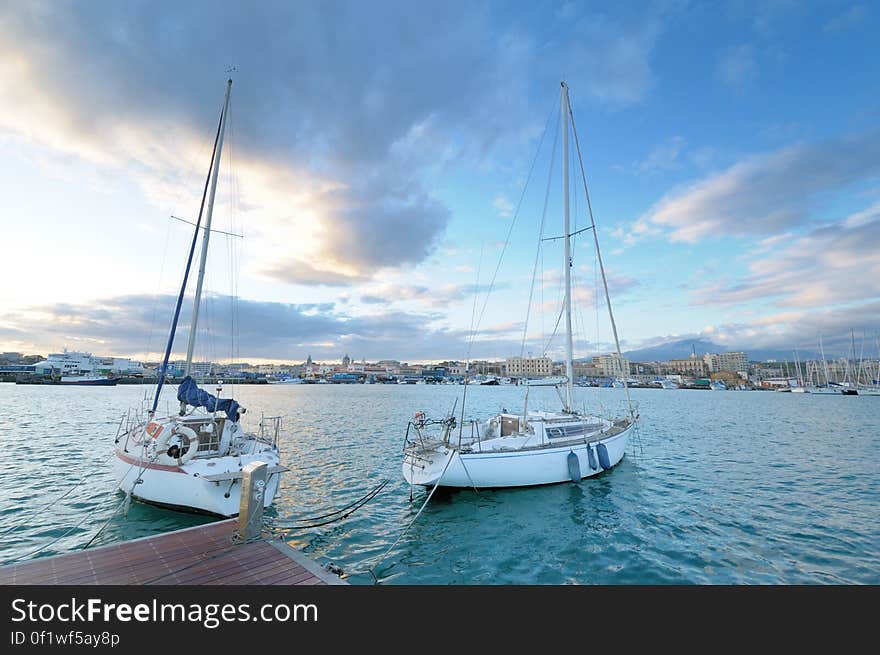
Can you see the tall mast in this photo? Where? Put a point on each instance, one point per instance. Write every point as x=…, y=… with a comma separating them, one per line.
x=207, y=235
x=569, y=364
x=824, y=363
x=163, y=369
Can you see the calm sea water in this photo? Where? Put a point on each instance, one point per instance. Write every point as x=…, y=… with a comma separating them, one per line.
x=717, y=487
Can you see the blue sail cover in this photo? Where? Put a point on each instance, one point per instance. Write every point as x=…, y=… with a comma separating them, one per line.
x=188, y=392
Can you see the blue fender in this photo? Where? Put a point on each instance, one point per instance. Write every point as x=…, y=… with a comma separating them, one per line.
x=574, y=467
x=591, y=454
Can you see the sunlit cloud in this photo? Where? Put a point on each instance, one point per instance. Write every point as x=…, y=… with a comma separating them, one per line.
x=764, y=194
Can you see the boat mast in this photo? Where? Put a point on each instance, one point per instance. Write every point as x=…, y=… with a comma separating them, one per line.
x=824, y=362
x=207, y=235
x=163, y=369
x=569, y=364
x=625, y=374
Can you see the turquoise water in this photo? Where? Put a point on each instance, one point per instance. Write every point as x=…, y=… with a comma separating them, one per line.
x=717, y=488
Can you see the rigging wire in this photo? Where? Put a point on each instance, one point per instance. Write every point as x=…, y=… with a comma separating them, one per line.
x=540, y=240
x=197, y=156
x=467, y=363
x=599, y=255
x=510, y=229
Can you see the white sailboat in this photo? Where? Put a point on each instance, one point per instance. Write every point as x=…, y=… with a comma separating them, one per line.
x=871, y=386
x=823, y=386
x=193, y=460
x=528, y=448
x=798, y=385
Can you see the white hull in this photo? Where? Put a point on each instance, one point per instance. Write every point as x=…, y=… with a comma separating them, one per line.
x=206, y=480
x=182, y=487
x=825, y=391
x=517, y=468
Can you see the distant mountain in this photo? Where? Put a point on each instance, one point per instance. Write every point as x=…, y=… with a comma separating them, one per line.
x=683, y=348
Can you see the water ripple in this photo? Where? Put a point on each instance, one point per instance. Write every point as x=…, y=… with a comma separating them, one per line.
x=719, y=488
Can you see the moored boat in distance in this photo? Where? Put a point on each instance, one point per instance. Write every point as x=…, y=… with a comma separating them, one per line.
x=285, y=381
x=88, y=380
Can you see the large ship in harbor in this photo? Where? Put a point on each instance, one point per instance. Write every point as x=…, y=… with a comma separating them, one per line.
x=74, y=363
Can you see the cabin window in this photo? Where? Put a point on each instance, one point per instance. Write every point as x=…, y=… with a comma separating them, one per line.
x=509, y=425
x=572, y=431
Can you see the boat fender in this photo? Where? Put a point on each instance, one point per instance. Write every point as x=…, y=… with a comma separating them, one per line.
x=591, y=456
x=188, y=435
x=604, y=460
x=574, y=467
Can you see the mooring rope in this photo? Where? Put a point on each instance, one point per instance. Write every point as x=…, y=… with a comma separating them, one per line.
x=338, y=514
x=371, y=570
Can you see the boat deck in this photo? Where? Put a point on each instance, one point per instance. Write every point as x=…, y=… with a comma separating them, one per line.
x=202, y=555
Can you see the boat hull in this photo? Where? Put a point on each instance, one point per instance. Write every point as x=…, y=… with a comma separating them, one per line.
x=447, y=467
x=167, y=486
x=89, y=382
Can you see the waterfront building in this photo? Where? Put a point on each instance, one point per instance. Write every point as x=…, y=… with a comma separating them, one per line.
x=196, y=369
x=530, y=367
x=612, y=366
x=734, y=362
x=10, y=358
x=691, y=367
x=584, y=369
x=485, y=367
x=456, y=368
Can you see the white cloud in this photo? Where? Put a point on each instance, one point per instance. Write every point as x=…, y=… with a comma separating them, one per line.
x=503, y=206
x=764, y=194
x=831, y=265
x=264, y=330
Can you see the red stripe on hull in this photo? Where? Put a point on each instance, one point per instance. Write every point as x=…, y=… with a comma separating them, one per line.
x=148, y=465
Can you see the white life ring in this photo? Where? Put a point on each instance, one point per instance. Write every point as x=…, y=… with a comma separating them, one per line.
x=181, y=431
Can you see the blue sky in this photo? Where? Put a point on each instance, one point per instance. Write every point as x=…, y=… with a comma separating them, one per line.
x=376, y=150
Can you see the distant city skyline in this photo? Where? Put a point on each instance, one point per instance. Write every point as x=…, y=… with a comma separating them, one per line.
x=376, y=158
x=666, y=352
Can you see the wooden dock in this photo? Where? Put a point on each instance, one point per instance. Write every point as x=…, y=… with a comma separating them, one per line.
x=202, y=555
x=230, y=552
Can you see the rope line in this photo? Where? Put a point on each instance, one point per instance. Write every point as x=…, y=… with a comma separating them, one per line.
x=414, y=519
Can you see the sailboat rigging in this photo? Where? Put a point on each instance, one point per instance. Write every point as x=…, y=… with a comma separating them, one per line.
x=193, y=460
x=532, y=447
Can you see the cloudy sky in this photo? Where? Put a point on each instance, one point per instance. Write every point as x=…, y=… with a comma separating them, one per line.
x=380, y=155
